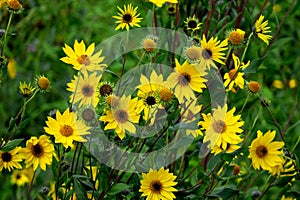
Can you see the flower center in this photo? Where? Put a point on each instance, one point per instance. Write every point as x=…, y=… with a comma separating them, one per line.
x=111, y=100
x=156, y=186
x=219, y=126
x=43, y=83
x=18, y=176
x=121, y=116
x=150, y=100
x=149, y=45
x=232, y=74
x=14, y=5
x=165, y=94
x=236, y=170
x=37, y=150
x=127, y=18
x=235, y=38
x=84, y=59
x=192, y=24
x=261, y=151
x=105, y=89
x=171, y=10
x=88, y=114
x=206, y=53
x=193, y=53
x=6, y=157
x=254, y=86
x=66, y=130
x=184, y=79
x=87, y=90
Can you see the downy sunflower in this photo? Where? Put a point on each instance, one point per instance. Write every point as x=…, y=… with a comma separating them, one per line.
x=11, y=159
x=212, y=52
x=264, y=153
x=185, y=80
x=192, y=23
x=66, y=128
x=121, y=116
x=261, y=29
x=234, y=76
x=83, y=58
x=158, y=185
x=84, y=89
x=222, y=127
x=127, y=17
x=159, y=3
x=38, y=152
x=21, y=177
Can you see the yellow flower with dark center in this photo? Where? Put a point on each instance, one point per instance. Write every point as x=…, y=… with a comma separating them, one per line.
x=66, y=128
x=192, y=23
x=26, y=89
x=159, y=3
x=127, y=17
x=253, y=87
x=84, y=89
x=261, y=29
x=121, y=117
x=222, y=127
x=171, y=9
x=236, y=37
x=38, y=152
x=212, y=52
x=83, y=58
x=229, y=148
x=158, y=185
x=11, y=159
x=264, y=153
x=21, y=177
x=185, y=80
x=234, y=76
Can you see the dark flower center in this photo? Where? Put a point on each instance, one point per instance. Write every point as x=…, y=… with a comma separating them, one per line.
x=121, y=116
x=261, y=151
x=206, y=53
x=87, y=90
x=184, y=79
x=37, y=150
x=156, y=186
x=127, y=18
x=219, y=126
x=18, y=176
x=6, y=157
x=150, y=101
x=232, y=74
x=84, y=59
x=66, y=130
x=88, y=114
x=105, y=89
x=192, y=24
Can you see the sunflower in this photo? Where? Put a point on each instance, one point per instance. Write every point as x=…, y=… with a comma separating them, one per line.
x=66, y=128
x=234, y=76
x=42, y=83
x=159, y=3
x=287, y=198
x=38, y=152
x=236, y=37
x=82, y=58
x=121, y=116
x=192, y=23
x=84, y=89
x=150, y=44
x=229, y=148
x=21, y=177
x=212, y=51
x=11, y=159
x=26, y=89
x=127, y=17
x=193, y=54
x=264, y=153
x=261, y=29
x=222, y=127
x=158, y=185
x=185, y=80
x=253, y=87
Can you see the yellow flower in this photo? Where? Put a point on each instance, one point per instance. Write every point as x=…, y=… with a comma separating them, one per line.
x=158, y=185
x=11, y=159
x=38, y=152
x=287, y=198
x=21, y=177
x=253, y=87
x=122, y=116
x=128, y=16
x=229, y=148
x=159, y=3
x=84, y=89
x=185, y=80
x=12, y=69
x=14, y=5
x=234, y=76
x=261, y=30
x=26, y=89
x=278, y=84
x=222, y=127
x=293, y=83
x=264, y=153
x=236, y=37
x=82, y=58
x=192, y=23
x=66, y=128
x=212, y=52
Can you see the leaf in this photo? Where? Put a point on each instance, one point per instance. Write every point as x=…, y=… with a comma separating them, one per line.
x=11, y=145
x=117, y=188
x=252, y=68
x=12, y=123
x=79, y=190
x=224, y=192
x=24, y=123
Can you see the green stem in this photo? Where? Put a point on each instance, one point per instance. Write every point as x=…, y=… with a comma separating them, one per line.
x=293, y=149
x=5, y=34
x=247, y=98
x=247, y=45
x=30, y=185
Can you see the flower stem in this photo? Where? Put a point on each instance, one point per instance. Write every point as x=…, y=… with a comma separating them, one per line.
x=247, y=45
x=5, y=34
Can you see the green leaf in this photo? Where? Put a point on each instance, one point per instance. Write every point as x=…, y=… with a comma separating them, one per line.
x=79, y=190
x=12, y=123
x=117, y=188
x=11, y=145
x=224, y=192
x=24, y=123
x=252, y=68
